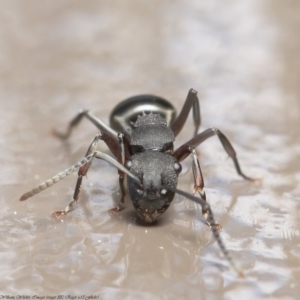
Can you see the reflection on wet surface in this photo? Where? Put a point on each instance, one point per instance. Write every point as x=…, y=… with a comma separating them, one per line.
x=60, y=57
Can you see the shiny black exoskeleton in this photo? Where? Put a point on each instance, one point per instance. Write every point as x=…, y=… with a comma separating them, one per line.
x=151, y=141
x=141, y=135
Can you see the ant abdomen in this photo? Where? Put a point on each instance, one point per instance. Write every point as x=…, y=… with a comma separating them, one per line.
x=125, y=114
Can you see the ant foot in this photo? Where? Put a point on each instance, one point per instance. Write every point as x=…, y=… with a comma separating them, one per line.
x=116, y=209
x=58, y=214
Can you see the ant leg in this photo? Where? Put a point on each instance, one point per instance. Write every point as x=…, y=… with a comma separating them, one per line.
x=214, y=227
x=83, y=167
x=121, y=160
x=182, y=152
x=109, y=136
x=82, y=172
x=191, y=101
x=199, y=185
x=97, y=122
x=72, y=124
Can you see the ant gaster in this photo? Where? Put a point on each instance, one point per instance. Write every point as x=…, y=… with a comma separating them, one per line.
x=141, y=135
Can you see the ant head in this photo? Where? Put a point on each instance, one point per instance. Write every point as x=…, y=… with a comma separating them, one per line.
x=154, y=169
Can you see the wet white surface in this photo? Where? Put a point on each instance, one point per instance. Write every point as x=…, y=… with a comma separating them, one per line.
x=58, y=57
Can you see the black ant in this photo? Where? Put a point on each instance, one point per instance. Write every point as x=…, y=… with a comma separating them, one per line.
x=141, y=135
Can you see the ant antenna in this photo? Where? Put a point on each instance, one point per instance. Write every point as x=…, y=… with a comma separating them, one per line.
x=205, y=206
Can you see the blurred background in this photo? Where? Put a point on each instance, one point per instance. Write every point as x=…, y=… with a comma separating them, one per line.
x=57, y=57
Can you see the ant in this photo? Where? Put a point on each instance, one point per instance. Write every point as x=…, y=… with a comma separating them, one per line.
x=141, y=135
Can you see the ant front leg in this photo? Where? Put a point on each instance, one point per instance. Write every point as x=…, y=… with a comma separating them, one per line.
x=199, y=186
x=121, y=160
x=83, y=167
x=82, y=172
x=214, y=227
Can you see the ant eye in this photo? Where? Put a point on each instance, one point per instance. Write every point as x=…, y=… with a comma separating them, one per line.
x=163, y=191
x=139, y=191
x=128, y=164
x=177, y=167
